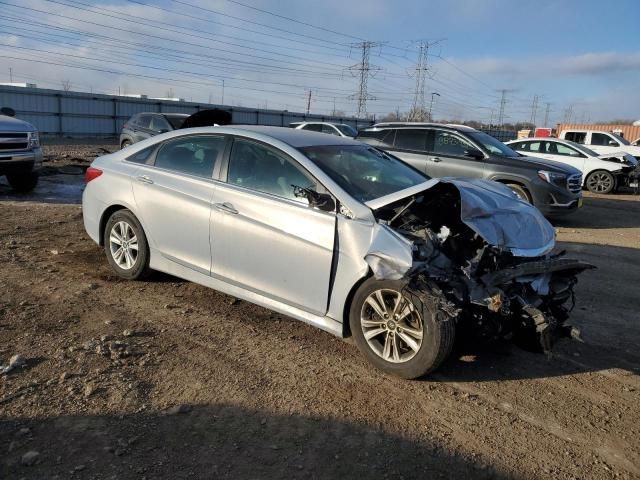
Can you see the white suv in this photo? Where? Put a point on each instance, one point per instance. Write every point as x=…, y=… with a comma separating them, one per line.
x=339, y=129
x=601, y=142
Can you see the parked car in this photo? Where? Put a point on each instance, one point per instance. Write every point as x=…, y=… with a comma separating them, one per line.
x=339, y=129
x=460, y=151
x=20, y=152
x=148, y=124
x=334, y=233
x=601, y=142
x=601, y=173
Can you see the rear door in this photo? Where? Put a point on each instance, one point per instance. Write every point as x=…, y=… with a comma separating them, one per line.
x=143, y=127
x=173, y=197
x=448, y=157
x=563, y=153
x=264, y=238
x=411, y=146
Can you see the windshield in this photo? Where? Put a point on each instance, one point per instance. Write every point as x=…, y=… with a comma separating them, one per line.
x=582, y=148
x=492, y=145
x=622, y=140
x=347, y=130
x=176, y=121
x=362, y=171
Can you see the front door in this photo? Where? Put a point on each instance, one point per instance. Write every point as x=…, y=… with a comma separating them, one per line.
x=450, y=159
x=266, y=239
x=173, y=198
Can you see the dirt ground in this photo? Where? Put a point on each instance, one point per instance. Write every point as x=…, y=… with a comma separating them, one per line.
x=168, y=379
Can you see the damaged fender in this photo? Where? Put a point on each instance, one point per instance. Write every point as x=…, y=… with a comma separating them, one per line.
x=389, y=256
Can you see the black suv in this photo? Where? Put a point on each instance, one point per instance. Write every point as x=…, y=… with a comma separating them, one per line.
x=460, y=151
x=147, y=124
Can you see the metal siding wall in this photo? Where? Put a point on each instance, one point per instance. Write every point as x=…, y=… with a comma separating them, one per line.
x=86, y=114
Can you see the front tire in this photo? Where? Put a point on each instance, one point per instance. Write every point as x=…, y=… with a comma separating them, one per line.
x=520, y=191
x=126, y=247
x=600, y=181
x=23, y=183
x=126, y=143
x=397, y=333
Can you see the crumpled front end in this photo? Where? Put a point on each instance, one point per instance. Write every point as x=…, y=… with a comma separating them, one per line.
x=489, y=255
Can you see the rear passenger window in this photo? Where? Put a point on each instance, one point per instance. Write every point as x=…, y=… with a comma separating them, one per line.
x=578, y=137
x=259, y=168
x=142, y=156
x=381, y=138
x=450, y=144
x=329, y=129
x=411, y=139
x=314, y=127
x=144, y=121
x=194, y=155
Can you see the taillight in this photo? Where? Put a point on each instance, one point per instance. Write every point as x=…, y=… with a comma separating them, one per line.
x=91, y=174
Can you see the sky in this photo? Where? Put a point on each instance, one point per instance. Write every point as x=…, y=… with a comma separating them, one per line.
x=579, y=59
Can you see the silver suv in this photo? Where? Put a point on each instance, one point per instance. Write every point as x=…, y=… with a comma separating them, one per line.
x=20, y=152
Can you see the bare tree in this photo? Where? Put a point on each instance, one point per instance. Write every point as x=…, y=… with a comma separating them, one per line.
x=66, y=85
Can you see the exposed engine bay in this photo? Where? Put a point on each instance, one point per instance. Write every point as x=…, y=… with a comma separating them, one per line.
x=493, y=289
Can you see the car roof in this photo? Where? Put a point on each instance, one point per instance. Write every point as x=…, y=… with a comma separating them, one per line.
x=295, y=138
x=164, y=113
x=452, y=126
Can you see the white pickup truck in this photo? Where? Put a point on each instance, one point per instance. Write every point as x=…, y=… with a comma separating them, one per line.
x=20, y=152
x=601, y=142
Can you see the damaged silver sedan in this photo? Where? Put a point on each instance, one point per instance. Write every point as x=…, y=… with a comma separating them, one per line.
x=334, y=233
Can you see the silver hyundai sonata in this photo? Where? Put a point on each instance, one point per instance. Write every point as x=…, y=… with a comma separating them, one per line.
x=335, y=233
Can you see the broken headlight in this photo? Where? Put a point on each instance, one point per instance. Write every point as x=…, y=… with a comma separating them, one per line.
x=558, y=179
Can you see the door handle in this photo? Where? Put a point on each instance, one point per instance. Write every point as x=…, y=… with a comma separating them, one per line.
x=436, y=159
x=225, y=207
x=144, y=179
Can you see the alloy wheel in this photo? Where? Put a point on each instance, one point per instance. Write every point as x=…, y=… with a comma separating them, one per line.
x=123, y=245
x=600, y=182
x=391, y=325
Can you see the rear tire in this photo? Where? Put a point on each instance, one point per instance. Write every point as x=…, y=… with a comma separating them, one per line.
x=126, y=247
x=520, y=191
x=126, y=143
x=412, y=341
x=600, y=181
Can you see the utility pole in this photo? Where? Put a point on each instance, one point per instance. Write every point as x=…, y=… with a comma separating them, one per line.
x=503, y=103
x=433, y=94
x=309, y=102
x=568, y=112
x=222, y=92
x=10, y=75
x=418, y=107
x=363, y=69
x=546, y=113
x=534, y=110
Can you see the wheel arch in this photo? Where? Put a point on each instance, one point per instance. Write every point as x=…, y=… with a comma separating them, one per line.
x=346, y=327
x=105, y=218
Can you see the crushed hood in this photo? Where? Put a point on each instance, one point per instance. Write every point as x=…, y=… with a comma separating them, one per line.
x=494, y=212
x=207, y=118
x=623, y=157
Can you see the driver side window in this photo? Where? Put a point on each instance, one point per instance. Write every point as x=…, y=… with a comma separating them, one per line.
x=450, y=144
x=255, y=166
x=159, y=124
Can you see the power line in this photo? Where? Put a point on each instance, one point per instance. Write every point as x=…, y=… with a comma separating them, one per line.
x=422, y=67
x=546, y=113
x=534, y=109
x=294, y=20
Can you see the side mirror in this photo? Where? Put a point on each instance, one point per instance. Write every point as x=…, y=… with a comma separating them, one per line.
x=321, y=201
x=613, y=144
x=8, y=111
x=163, y=130
x=474, y=153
